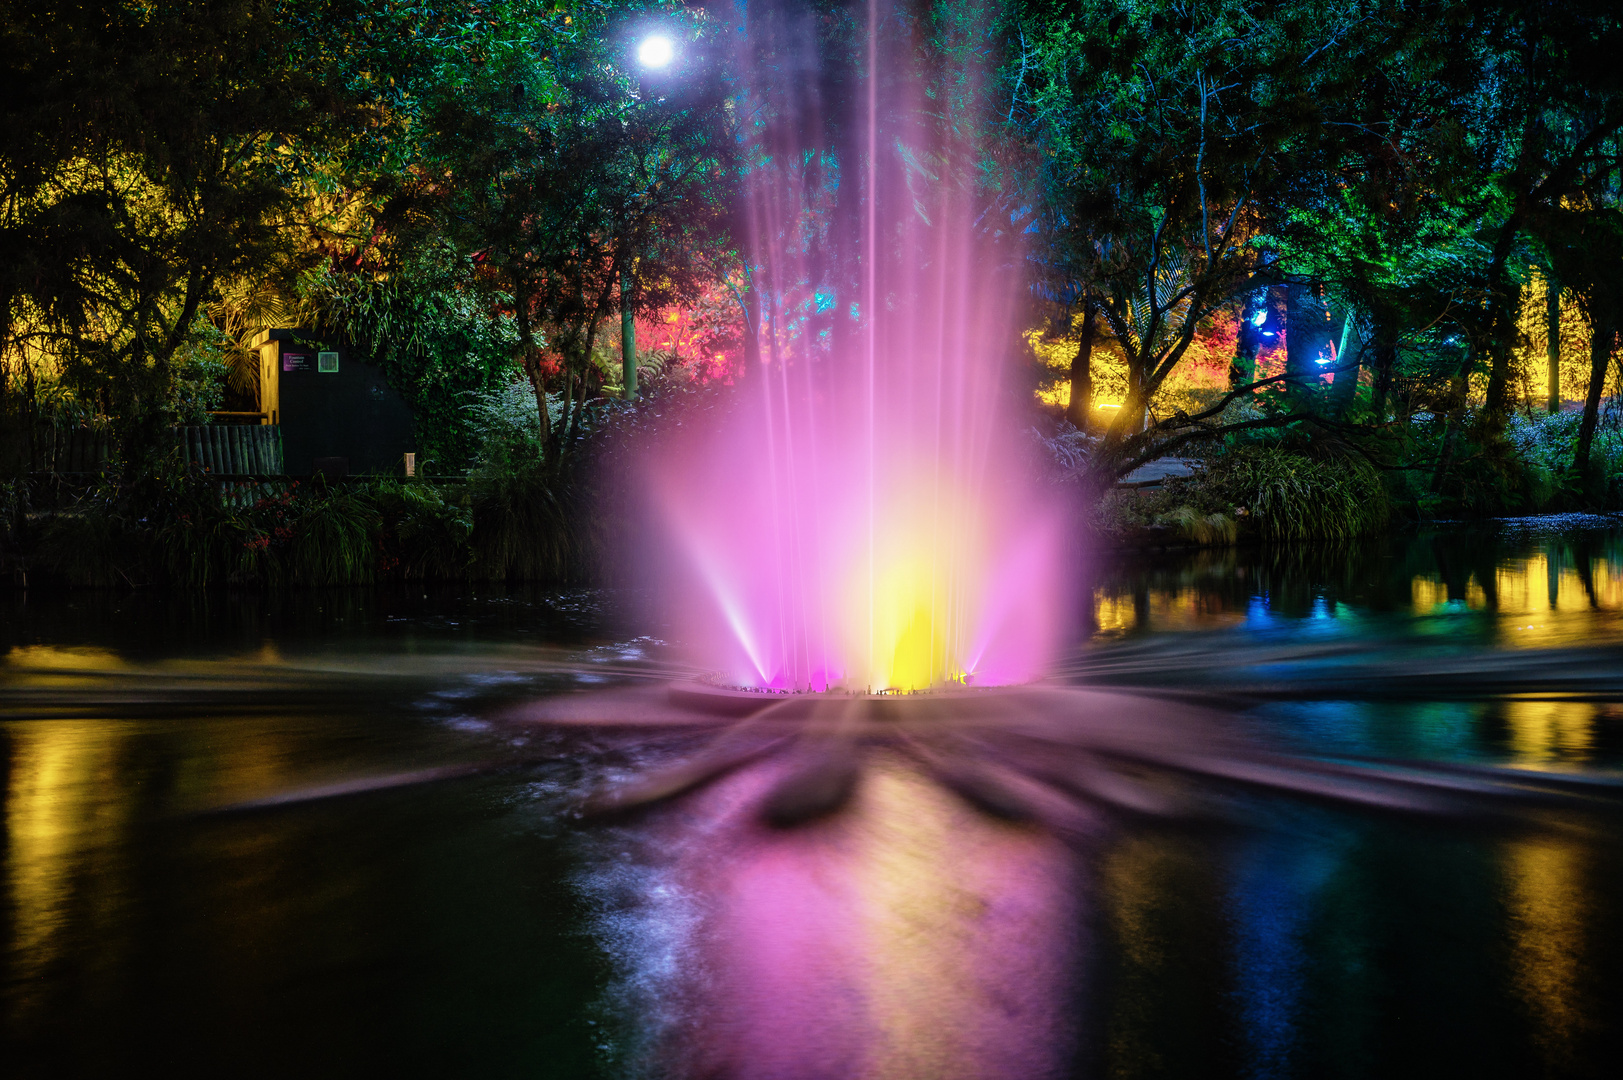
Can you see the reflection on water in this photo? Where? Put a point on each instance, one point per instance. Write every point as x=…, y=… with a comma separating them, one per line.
x=1548, y=732
x=239, y=841
x=1508, y=589
x=1547, y=898
x=60, y=833
x=909, y=937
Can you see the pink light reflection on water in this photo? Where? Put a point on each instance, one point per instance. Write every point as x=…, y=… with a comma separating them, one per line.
x=909, y=937
x=863, y=516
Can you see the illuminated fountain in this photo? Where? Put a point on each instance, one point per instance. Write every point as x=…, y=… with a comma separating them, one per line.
x=862, y=520
x=871, y=871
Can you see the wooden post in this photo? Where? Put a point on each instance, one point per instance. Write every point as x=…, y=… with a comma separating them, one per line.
x=628, y=338
x=411, y=465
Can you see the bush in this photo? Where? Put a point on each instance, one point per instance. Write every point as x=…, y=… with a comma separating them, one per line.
x=522, y=526
x=424, y=533
x=1543, y=447
x=92, y=545
x=1265, y=492
x=1287, y=496
x=334, y=540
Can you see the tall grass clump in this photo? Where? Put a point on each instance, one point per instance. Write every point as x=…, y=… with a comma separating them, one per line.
x=522, y=526
x=334, y=540
x=93, y=545
x=1288, y=496
x=1254, y=491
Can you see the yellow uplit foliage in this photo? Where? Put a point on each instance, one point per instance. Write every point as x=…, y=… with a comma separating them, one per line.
x=1203, y=368
x=1532, y=363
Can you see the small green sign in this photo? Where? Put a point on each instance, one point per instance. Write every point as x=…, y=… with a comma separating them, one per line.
x=327, y=361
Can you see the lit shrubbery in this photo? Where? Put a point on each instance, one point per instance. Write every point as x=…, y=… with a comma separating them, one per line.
x=1257, y=491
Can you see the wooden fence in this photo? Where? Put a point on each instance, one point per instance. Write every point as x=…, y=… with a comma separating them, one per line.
x=222, y=449
x=233, y=449
x=70, y=449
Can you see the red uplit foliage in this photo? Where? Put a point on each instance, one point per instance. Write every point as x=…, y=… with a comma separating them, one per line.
x=702, y=342
x=1271, y=359
x=1206, y=362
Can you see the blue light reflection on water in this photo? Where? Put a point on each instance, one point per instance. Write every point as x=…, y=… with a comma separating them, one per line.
x=1274, y=880
x=1360, y=946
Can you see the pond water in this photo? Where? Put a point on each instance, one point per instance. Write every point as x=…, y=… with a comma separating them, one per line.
x=340, y=834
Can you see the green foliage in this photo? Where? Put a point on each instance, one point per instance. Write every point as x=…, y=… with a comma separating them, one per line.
x=426, y=533
x=334, y=539
x=180, y=529
x=92, y=546
x=523, y=526
x=1292, y=497
x=583, y=185
x=1544, y=445
x=149, y=156
x=1264, y=492
x=434, y=327
x=508, y=426
x=202, y=365
x=1215, y=528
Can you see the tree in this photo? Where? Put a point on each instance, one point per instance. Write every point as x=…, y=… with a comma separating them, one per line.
x=1172, y=139
x=146, y=154
x=583, y=186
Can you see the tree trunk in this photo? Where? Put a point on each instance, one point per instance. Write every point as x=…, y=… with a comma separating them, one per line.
x=1386, y=358
x=1080, y=410
x=1600, y=358
x=1344, y=391
x=751, y=304
x=1129, y=419
x=1501, y=345
x=628, y=338
x=1243, y=368
x=1305, y=327
x=1459, y=389
x=1552, y=343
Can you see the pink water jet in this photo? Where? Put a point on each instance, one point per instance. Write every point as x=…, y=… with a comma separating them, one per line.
x=863, y=517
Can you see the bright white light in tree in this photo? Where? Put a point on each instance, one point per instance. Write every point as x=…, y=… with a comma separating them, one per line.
x=656, y=51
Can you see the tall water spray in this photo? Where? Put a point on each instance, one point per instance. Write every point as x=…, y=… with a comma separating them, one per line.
x=862, y=518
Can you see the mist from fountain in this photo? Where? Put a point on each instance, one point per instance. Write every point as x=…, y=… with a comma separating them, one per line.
x=863, y=518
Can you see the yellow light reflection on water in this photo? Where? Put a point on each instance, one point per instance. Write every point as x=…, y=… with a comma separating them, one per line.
x=1187, y=607
x=55, y=658
x=60, y=821
x=1545, y=732
x=1548, y=903
x=1427, y=594
x=1113, y=612
x=1546, y=602
x=953, y=910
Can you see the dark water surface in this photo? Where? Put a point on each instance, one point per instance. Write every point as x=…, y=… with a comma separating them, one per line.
x=334, y=835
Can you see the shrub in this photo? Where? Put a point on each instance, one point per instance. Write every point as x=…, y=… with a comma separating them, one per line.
x=334, y=540
x=522, y=526
x=1287, y=496
x=424, y=533
x=1264, y=491
x=92, y=545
